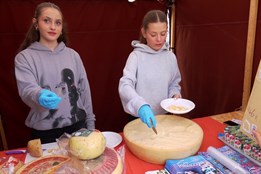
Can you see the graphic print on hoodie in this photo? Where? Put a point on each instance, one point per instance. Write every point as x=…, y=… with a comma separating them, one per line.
x=77, y=113
x=60, y=71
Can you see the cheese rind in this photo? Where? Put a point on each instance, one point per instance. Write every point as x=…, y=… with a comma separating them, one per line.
x=119, y=167
x=177, y=138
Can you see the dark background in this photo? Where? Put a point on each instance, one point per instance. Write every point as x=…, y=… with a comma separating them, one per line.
x=210, y=44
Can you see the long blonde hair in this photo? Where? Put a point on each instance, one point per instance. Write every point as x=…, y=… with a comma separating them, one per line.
x=33, y=34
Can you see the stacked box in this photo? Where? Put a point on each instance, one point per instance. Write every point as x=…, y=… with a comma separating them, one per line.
x=236, y=138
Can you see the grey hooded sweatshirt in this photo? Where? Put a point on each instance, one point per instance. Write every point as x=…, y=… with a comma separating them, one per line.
x=60, y=71
x=149, y=77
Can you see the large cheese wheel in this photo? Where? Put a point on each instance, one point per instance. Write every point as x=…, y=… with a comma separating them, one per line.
x=109, y=162
x=177, y=138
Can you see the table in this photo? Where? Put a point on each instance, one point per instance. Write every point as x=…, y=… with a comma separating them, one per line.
x=228, y=116
x=133, y=165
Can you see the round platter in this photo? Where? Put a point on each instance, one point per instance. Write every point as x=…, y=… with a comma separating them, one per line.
x=113, y=139
x=43, y=164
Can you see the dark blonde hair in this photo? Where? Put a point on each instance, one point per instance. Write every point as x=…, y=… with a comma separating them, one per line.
x=152, y=16
x=33, y=34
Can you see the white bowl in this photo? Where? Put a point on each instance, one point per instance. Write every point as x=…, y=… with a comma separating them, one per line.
x=113, y=139
x=177, y=106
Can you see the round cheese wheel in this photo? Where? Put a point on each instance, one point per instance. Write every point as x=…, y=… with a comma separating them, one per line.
x=109, y=162
x=176, y=138
x=87, y=145
x=47, y=165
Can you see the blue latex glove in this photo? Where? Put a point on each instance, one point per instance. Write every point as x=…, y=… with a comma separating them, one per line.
x=48, y=99
x=146, y=114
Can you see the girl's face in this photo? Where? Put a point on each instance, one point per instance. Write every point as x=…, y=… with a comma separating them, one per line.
x=49, y=25
x=155, y=35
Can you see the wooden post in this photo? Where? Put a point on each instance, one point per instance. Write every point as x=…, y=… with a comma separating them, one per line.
x=249, y=52
x=2, y=134
x=172, y=27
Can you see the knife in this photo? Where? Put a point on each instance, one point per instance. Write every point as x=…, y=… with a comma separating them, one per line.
x=11, y=152
x=153, y=128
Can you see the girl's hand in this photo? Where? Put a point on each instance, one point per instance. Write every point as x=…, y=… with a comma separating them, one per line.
x=147, y=116
x=177, y=96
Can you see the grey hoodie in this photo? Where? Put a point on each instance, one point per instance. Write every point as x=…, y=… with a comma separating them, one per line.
x=149, y=77
x=60, y=71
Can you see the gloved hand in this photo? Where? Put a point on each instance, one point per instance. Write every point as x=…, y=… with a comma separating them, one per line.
x=176, y=96
x=146, y=115
x=49, y=99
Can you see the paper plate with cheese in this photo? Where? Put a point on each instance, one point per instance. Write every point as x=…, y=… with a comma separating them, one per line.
x=177, y=106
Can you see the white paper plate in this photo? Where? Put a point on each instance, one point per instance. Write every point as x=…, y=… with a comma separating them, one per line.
x=113, y=139
x=177, y=106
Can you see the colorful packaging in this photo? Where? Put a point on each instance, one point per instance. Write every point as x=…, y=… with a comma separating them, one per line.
x=196, y=164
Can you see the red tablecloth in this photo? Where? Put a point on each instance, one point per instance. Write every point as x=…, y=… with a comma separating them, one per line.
x=133, y=165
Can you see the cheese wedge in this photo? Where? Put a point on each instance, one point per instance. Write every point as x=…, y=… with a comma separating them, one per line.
x=34, y=147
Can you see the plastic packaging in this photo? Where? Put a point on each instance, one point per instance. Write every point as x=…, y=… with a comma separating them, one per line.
x=229, y=163
x=105, y=163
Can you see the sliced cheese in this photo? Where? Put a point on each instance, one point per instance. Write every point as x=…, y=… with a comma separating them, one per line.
x=177, y=138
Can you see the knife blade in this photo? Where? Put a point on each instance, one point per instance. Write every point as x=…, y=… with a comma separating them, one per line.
x=11, y=152
x=153, y=128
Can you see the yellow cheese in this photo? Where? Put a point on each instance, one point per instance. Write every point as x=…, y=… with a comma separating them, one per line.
x=87, y=147
x=177, y=138
x=34, y=147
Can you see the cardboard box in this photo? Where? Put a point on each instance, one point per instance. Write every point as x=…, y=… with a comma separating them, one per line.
x=252, y=116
